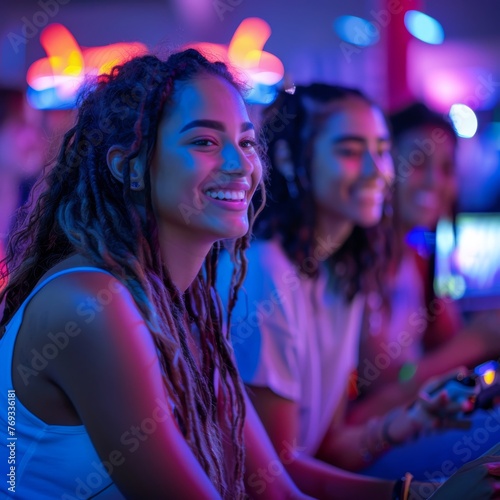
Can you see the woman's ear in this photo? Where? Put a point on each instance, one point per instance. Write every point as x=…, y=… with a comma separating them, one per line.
x=116, y=158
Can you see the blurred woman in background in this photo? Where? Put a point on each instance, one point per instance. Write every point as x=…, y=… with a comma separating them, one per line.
x=322, y=245
x=409, y=334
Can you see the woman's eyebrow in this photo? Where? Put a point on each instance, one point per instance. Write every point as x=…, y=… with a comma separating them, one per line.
x=359, y=138
x=349, y=138
x=206, y=124
x=214, y=124
x=247, y=126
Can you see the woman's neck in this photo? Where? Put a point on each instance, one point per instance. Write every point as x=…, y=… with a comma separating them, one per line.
x=330, y=236
x=183, y=261
x=183, y=258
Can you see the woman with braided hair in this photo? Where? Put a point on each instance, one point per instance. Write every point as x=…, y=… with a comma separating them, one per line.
x=119, y=376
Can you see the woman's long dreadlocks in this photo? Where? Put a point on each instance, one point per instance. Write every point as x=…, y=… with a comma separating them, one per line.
x=83, y=209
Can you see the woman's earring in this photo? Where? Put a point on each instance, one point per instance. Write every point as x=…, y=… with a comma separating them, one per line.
x=135, y=185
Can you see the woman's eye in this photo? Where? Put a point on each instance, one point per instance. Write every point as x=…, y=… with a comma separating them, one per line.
x=248, y=144
x=349, y=152
x=384, y=152
x=203, y=142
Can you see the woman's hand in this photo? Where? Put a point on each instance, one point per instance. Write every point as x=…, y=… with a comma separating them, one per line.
x=443, y=400
x=439, y=405
x=479, y=479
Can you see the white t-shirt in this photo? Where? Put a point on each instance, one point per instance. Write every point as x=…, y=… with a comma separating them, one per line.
x=294, y=335
x=395, y=339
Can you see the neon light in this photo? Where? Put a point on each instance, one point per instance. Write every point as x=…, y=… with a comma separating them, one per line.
x=244, y=53
x=489, y=377
x=424, y=27
x=61, y=73
x=356, y=31
x=464, y=120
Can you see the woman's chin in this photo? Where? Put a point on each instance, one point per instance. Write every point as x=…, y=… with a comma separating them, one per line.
x=370, y=218
x=233, y=232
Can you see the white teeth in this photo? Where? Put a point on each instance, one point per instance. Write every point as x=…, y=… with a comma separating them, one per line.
x=227, y=195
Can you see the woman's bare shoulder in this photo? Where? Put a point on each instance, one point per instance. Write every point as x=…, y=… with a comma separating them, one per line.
x=78, y=300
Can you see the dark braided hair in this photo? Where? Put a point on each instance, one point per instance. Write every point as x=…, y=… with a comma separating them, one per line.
x=82, y=208
x=290, y=213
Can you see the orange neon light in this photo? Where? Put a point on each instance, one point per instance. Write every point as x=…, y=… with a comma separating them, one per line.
x=67, y=63
x=245, y=53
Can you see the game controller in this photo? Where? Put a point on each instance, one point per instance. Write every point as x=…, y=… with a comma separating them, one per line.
x=487, y=377
x=481, y=386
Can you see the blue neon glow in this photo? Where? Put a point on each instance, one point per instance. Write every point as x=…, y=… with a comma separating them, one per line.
x=424, y=27
x=464, y=120
x=261, y=94
x=356, y=30
x=49, y=99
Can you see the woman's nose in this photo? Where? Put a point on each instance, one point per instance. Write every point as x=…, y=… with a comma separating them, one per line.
x=235, y=161
x=377, y=166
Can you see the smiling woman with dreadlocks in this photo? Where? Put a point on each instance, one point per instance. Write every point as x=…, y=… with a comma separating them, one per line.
x=112, y=338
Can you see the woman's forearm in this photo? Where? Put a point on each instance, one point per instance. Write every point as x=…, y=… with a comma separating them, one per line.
x=324, y=481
